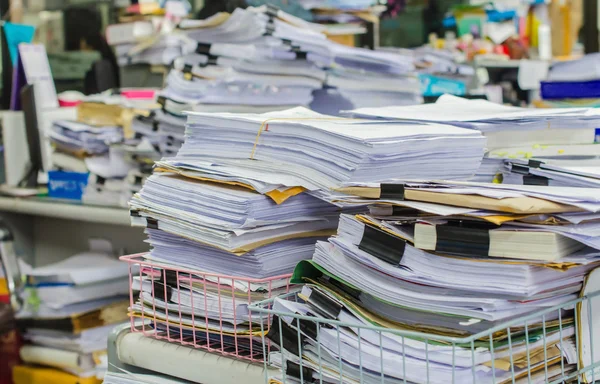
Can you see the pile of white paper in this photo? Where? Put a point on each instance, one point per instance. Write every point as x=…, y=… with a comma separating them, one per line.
x=264, y=57
x=510, y=131
x=436, y=269
x=298, y=147
x=70, y=309
x=75, y=137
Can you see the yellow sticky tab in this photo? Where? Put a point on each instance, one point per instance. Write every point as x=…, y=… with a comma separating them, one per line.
x=536, y=146
x=528, y=155
x=561, y=151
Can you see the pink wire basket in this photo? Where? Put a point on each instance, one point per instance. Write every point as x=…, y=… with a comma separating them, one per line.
x=200, y=309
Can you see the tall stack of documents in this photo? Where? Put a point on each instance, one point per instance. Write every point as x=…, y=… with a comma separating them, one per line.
x=249, y=195
x=267, y=59
x=301, y=148
x=70, y=308
x=232, y=233
x=99, y=143
x=511, y=132
x=448, y=259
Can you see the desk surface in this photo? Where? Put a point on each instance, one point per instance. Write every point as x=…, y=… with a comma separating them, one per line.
x=65, y=210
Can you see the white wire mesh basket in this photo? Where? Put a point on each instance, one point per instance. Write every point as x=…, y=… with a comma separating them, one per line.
x=554, y=345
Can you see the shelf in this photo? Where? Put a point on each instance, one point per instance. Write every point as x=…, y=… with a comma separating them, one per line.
x=64, y=210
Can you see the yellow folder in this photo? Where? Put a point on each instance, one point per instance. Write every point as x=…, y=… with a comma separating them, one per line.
x=25, y=374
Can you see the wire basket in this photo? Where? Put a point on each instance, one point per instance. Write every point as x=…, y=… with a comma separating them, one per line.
x=200, y=309
x=554, y=345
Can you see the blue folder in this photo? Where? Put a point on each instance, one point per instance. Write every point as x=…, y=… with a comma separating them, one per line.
x=570, y=90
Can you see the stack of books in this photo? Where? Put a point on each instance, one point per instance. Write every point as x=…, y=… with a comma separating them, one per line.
x=70, y=307
x=561, y=138
x=446, y=264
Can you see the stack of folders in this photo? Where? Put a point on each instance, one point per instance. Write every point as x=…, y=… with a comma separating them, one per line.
x=231, y=247
x=573, y=83
x=300, y=148
x=445, y=259
x=262, y=59
x=511, y=132
x=70, y=309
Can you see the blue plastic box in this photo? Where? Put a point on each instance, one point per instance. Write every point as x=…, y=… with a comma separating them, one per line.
x=66, y=185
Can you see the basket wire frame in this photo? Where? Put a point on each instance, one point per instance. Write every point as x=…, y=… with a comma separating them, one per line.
x=216, y=334
x=560, y=373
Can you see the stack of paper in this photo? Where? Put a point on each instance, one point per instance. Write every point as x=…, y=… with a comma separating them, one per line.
x=245, y=242
x=448, y=260
x=81, y=139
x=298, y=147
x=70, y=309
x=503, y=126
x=265, y=58
x=97, y=144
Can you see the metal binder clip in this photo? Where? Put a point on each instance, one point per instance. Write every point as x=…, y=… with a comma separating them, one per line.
x=382, y=245
x=269, y=29
x=162, y=101
x=520, y=169
x=392, y=191
x=535, y=180
x=285, y=336
x=187, y=71
x=534, y=163
x=303, y=373
x=203, y=49
x=272, y=11
x=155, y=125
x=151, y=223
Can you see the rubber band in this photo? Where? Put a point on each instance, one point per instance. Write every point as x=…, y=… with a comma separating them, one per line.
x=265, y=124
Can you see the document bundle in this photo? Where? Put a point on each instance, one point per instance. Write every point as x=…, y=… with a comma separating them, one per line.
x=230, y=247
x=301, y=148
x=449, y=260
x=103, y=143
x=266, y=58
x=573, y=83
x=511, y=132
x=70, y=308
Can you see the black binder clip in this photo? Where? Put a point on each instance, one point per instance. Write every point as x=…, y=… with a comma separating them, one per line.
x=134, y=213
x=534, y=163
x=100, y=180
x=392, y=191
x=285, y=336
x=382, y=245
x=151, y=223
x=269, y=29
x=324, y=305
x=138, y=180
x=162, y=101
x=155, y=126
x=535, y=180
x=304, y=373
x=461, y=237
x=203, y=49
x=212, y=60
x=300, y=54
x=272, y=11
x=520, y=169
